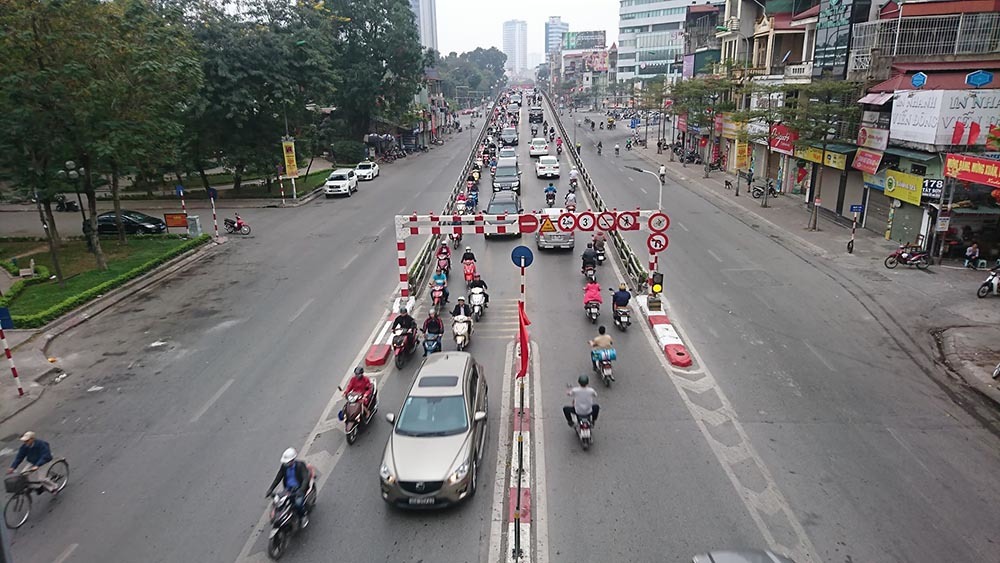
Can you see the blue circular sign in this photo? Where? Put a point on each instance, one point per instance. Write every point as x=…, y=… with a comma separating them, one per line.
x=520, y=252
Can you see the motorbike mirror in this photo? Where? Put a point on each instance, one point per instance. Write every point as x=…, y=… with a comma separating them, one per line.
x=391, y=418
x=479, y=416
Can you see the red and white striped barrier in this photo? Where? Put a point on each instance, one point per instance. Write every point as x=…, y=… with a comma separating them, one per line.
x=519, y=501
x=10, y=359
x=669, y=341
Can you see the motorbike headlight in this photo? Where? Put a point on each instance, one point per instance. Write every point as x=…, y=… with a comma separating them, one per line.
x=460, y=473
x=385, y=472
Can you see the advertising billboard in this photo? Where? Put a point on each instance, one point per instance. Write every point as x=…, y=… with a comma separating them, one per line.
x=584, y=40
x=945, y=117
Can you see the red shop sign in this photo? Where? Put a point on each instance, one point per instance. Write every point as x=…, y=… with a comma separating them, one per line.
x=682, y=122
x=783, y=139
x=867, y=160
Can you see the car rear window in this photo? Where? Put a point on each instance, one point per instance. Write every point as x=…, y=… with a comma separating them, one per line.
x=438, y=381
x=506, y=172
x=365, y=165
x=501, y=207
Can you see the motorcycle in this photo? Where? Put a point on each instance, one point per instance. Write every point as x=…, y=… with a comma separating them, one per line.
x=593, y=310
x=552, y=137
x=601, y=360
x=550, y=199
x=432, y=343
x=558, y=150
x=237, y=226
x=622, y=315
x=758, y=190
x=285, y=522
x=599, y=150
x=456, y=240
x=469, y=270
x=444, y=262
x=582, y=426
x=477, y=300
x=717, y=165
x=352, y=413
x=63, y=204
x=991, y=285
x=473, y=200
x=590, y=272
x=437, y=295
x=461, y=328
x=601, y=254
x=574, y=183
x=404, y=342
x=602, y=125
x=909, y=256
x=693, y=158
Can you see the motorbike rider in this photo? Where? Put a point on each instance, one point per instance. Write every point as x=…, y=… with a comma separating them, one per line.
x=477, y=281
x=433, y=325
x=439, y=278
x=628, y=144
x=38, y=454
x=617, y=149
x=362, y=386
x=663, y=172
x=559, y=142
x=592, y=292
x=599, y=241
x=550, y=189
x=589, y=257
x=584, y=402
x=297, y=480
x=573, y=173
x=444, y=251
x=621, y=297
x=461, y=308
x=570, y=200
x=601, y=342
x=600, y=147
x=468, y=255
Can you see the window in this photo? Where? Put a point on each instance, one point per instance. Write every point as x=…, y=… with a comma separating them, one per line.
x=626, y=56
x=653, y=14
x=918, y=169
x=673, y=26
x=433, y=416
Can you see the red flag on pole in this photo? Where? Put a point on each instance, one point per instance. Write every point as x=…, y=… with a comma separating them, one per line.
x=523, y=323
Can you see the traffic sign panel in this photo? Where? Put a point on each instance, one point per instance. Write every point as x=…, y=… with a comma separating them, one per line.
x=528, y=223
x=857, y=208
x=658, y=222
x=547, y=226
x=519, y=253
x=657, y=242
x=585, y=221
x=567, y=222
x=606, y=221
x=628, y=221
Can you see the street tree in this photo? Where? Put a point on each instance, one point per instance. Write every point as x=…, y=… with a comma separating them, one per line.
x=700, y=99
x=822, y=113
x=759, y=119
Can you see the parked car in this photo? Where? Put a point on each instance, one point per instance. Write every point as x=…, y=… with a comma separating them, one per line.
x=438, y=438
x=133, y=222
x=504, y=202
x=556, y=239
x=367, y=170
x=342, y=181
x=547, y=167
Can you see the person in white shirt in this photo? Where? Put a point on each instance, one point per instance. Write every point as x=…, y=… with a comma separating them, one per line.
x=584, y=401
x=663, y=172
x=573, y=174
x=570, y=200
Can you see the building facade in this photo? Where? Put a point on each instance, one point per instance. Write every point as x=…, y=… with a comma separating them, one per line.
x=650, y=38
x=425, y=12
x=515, y=46
x=554, y=29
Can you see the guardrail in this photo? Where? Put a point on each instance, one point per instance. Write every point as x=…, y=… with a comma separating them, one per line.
x=630, y=261
x=419, y=268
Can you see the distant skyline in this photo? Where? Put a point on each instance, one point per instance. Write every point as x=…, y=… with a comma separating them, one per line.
x=463, y=25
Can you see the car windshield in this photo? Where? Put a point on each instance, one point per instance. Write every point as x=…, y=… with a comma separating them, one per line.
x=337, y=177
x=501, y=207
x=509, y=131
x=433, y=416
x=506, y=172
x=364, y=166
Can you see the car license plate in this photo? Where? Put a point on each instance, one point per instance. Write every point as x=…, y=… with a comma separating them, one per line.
x=422, y=501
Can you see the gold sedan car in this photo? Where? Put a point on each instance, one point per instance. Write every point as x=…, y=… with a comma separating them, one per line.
x=433, y=455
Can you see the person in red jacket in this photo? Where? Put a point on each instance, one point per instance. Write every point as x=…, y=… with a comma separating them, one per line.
x=361, y=385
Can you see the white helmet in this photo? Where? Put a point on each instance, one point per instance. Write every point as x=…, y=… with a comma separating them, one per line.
x=288, y=456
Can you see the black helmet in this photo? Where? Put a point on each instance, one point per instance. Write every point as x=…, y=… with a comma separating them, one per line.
x=590, y=245
x=359, y=370
x=583, y=379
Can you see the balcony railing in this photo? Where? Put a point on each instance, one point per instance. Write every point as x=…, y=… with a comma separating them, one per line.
x=957, y=34
x=799, y=70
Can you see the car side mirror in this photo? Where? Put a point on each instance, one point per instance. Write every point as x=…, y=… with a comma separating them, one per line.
x=479, y=416
x=391, y=418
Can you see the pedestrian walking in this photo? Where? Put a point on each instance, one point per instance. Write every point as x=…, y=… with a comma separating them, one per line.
x=659, y=146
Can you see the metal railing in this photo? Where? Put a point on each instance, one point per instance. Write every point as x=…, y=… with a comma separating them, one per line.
x=956, y=34
x=799, y=70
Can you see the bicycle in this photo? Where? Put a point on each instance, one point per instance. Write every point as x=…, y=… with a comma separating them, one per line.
x=18, y=507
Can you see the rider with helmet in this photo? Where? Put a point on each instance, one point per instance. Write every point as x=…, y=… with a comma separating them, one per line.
x=362, y=386
x=477, y=281
x=584, y=401
x=589, y=257
x=297, y=480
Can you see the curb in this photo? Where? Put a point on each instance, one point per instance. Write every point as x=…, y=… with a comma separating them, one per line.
x=964, y=369
x=669, y=341
x=381, y=347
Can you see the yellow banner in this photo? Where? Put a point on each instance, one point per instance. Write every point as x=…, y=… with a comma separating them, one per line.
x=812, y=154
x=903, y=186
x=835, y=160
x=742, y=155
x=291, y=165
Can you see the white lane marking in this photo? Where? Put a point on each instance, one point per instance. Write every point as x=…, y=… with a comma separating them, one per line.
x=382, y=333
x=681, y=225
x=644, y=190
x=503, y=447
x=631, y=179
x=539, y=518
x=382, y=230
x=321, y=424
x=349, y=262
x=817, y=354
x=211, y=401
x=66, y=553
x=301, y=310
x=713, y=255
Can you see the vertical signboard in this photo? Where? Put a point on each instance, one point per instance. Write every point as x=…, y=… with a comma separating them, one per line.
x=291, y=165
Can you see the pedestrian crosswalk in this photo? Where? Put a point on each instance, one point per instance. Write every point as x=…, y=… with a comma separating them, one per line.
x=500, y=321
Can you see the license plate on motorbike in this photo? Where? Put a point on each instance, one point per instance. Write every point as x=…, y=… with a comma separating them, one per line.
x=422, y=501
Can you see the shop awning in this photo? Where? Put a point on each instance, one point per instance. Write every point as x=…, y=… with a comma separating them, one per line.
x=876, y=98
x=912, y=155
x=976, y=211
x=841, y=149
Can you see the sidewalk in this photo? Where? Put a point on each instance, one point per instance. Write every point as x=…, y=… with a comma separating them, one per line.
x=974, y=352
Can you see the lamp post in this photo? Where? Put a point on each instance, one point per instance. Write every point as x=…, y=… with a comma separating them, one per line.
x=71, y=173
x=659, y=198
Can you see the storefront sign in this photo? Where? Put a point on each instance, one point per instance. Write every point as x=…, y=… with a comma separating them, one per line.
x=873, y=138
x=943, y=224
x=835, y=160
x=945, y=117
x=729, y=126
x=874, y=181
x=687, y=67
x=682, y=122
x=933, y=188
x=742, y=155
x=869, y=117
x=291, y=165
x=782, y=139
x=718, y=124
x=972, y=169
x=867, y=160
x=903, y=186
x=812, y=154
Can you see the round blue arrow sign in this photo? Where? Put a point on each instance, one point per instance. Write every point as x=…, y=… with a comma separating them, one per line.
x=519, y=253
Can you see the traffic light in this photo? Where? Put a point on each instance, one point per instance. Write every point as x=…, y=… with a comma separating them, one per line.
x=657, y=286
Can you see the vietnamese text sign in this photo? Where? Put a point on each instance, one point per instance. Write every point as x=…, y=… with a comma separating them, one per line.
x=812, y=154
x=945, y=117
x=867, y=160
x=291, y=165
x=933, y=188
x=972, y=169
x=584, y=40
x=903, y=186
x=742, y=155
x=729, y=126
x=782, y=139
x=873, y=138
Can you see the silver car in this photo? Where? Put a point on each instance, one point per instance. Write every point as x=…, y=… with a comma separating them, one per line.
x=439, y=436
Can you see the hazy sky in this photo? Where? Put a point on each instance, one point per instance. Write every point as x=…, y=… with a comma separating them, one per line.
x=464, y=25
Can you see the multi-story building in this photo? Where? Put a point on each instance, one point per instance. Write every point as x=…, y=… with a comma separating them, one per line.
x=425, y=12
x=515, y=46
x=554, y=29
x=650, y=38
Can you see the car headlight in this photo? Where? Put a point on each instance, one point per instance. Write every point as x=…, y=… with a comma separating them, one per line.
x=460, y=474
x=386, y=474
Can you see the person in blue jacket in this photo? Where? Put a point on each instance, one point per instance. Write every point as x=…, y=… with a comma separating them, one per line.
x=38, y=455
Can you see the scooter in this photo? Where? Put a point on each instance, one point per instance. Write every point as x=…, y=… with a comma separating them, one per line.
x=583, y=428
x=593, y=310
x=352, y=413
x=461, y=328
x=403, y=344
x=601, y=253
x=238, y=226
x=469, y=269
x=991, y=285
x=622, y=315
x=909, y=256
x=63, y=204
x=432, y=343
x=437, y=295
x=444, y=262
x=574, y=183
x=758, y=191
x=558, y=150
x=285, y=522
x=601, y=360
x=550, y=199
x=717, y=165
x=477, y=299
x=456, y=240
x=472, y=201
x=590, y=272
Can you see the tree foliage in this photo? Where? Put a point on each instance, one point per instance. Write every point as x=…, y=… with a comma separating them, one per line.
x=475, y=70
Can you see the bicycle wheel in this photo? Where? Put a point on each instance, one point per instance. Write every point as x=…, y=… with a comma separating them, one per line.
x=15, y=514
x=58, y=473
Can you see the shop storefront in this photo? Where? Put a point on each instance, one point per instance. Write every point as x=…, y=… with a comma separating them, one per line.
x=971, y=212
x=728, y=147
x=906, y=217
x=841, y=187
x=877, y=204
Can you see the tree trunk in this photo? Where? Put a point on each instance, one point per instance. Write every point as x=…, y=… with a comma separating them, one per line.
x=52, y=236
x=95, y=241
x=50, y=220
x=268, y=179
x=200, y=166
x=237, y=177
x=310, y=165
x=116, y=199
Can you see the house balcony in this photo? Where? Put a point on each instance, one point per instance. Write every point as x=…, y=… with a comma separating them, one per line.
x=799, y=73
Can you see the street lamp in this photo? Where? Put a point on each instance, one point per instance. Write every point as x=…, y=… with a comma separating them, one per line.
x=659, y=199
x=73, y=174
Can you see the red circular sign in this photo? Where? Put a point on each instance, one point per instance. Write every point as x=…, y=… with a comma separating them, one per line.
x=658, y=222
x=657, y=242
x=606, y=221
x=528, y=223
x=585, y=221
x=567, y=222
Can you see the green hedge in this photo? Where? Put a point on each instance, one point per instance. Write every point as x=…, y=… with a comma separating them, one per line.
x=41, y=319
